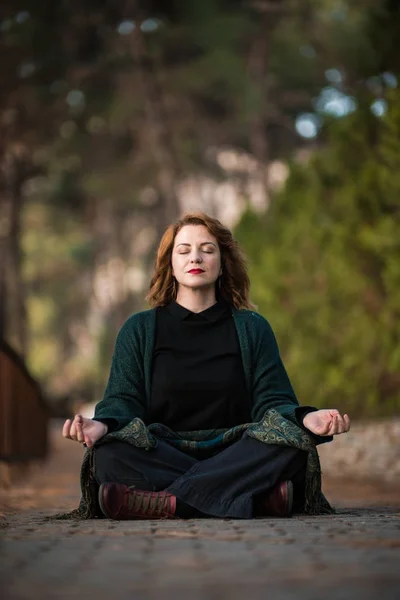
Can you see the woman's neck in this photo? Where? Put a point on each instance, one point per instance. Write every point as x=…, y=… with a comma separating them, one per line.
x=196, y=300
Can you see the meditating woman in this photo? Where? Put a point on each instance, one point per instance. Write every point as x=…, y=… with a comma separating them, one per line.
x=199, y=417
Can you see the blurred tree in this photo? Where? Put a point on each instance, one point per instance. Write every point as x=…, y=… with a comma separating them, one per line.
x=325, y=266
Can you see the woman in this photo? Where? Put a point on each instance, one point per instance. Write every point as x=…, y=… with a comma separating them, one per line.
x=202, y=363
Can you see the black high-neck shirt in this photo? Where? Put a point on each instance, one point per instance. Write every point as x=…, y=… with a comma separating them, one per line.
x=197, y=374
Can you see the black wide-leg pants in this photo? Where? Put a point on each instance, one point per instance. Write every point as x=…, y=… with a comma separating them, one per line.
x=227, y=484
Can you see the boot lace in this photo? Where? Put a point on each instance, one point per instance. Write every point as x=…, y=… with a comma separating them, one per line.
x=150, y=504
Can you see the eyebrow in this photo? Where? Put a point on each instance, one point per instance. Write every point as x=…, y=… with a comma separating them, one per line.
x=202, y=244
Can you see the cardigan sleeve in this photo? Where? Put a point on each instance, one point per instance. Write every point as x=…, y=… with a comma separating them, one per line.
x=271, y=384
x=124, y=396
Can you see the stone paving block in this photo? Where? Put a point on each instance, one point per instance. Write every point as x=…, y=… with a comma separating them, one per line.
x=158, y=560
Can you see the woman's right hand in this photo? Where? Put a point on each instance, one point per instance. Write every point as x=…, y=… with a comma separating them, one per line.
x=83, y=430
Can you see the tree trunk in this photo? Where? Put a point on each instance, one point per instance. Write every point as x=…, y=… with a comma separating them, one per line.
x=5, y=208
x=259, y=65
x=258, y=68
x=13, y=287
x=160, y=134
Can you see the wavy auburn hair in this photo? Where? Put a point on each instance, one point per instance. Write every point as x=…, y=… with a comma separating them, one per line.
x=234, y=282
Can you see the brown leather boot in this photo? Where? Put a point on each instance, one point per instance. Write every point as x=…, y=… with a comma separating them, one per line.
x=118, y=501
x=279, y=501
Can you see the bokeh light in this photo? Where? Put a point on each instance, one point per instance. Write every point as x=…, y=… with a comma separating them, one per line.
x=307, y=125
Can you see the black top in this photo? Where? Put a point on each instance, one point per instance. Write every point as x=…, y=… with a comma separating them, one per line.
x=197, y=373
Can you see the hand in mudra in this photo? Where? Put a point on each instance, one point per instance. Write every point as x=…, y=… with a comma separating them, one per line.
x=327, y=421
x=85, y=431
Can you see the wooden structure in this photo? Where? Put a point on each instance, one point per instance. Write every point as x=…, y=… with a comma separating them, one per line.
x=23, y=413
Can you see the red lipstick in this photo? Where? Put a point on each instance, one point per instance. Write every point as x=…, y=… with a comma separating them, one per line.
x=196, y=271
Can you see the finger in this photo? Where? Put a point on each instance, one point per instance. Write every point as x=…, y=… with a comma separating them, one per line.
x=343, y=424
x=335, y=424
x=346, y=419
x=66, y=429
x=78, y=425
x=72, y=431
x=338, y=423
x=333, y=412
x=341, y=427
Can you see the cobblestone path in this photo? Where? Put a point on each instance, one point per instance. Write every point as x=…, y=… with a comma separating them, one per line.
x=355, y=553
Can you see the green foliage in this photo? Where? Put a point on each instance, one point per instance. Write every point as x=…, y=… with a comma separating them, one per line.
x=325, y=267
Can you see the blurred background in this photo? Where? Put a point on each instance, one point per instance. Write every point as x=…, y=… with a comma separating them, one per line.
x=280, y=117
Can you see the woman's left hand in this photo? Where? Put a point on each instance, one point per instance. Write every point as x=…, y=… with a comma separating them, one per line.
x=327, y=421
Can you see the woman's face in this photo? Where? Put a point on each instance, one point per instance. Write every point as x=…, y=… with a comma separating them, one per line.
x=196, y=258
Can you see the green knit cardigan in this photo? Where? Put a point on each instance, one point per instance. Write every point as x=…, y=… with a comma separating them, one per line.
x=128, y=390
x=272, y=399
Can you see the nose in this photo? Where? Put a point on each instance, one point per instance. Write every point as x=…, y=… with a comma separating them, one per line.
x=196, y=257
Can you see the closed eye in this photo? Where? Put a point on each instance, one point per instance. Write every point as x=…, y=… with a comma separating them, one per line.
x=205, y=251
